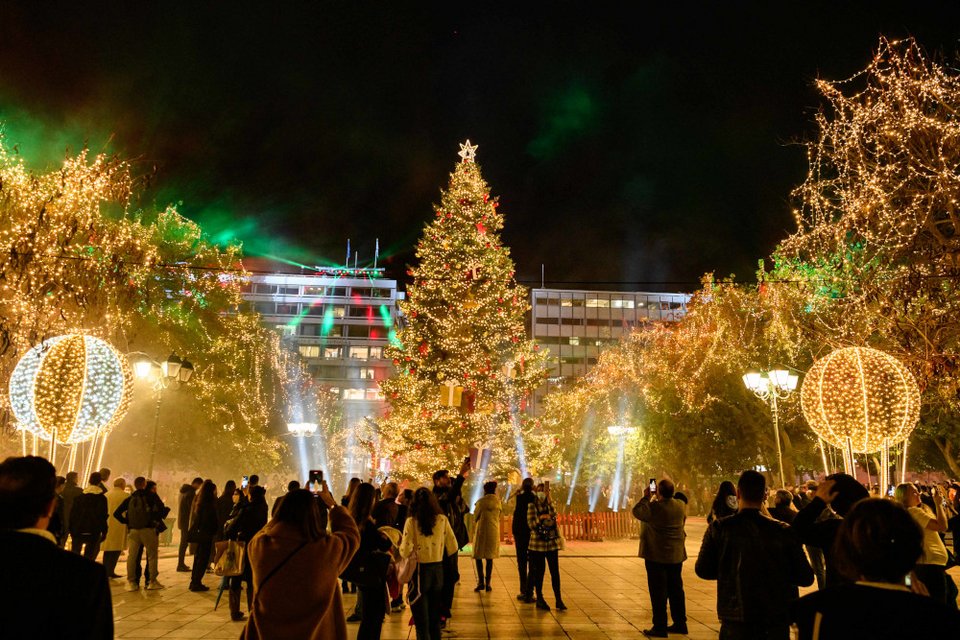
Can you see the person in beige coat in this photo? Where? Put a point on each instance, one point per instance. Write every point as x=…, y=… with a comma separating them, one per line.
x=296, y=566
x=116, y=540
x=486, y=537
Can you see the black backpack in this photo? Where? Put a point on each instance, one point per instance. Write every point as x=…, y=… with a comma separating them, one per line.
x=138, y=512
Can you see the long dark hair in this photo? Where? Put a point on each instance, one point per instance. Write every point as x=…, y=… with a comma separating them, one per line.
x=300, y=509
x=229, y=487
x=351, y=487
x=720, y=502
x=425, y=509
x=206, y=497
x=361, y=503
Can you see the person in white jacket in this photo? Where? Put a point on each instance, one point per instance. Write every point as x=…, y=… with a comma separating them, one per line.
x=428, y=532
x=116, y=540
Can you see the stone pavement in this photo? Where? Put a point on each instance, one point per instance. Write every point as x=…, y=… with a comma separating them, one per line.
x=603, y=584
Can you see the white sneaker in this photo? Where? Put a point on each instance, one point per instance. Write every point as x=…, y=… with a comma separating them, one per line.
x=132, y=586
x=155, y=586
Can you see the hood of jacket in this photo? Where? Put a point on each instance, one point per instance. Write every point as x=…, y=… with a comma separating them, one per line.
x=94, y=488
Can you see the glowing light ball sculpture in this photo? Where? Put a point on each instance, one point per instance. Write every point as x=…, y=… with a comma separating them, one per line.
x=861, y=400
x=70, y=389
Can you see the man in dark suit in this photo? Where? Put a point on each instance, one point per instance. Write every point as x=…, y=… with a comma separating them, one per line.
x=36, y=573
x=662, y=538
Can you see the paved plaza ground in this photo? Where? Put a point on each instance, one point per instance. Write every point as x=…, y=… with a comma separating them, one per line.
x=604, y=586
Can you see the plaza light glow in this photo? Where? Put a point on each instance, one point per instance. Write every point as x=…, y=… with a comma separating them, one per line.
x=70, y=388
x=862, y=397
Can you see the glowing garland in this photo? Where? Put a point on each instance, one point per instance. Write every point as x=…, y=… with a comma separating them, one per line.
x=71, y=387
x=862, y=394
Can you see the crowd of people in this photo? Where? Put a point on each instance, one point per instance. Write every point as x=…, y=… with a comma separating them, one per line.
x=395, y=548
x=868, y=554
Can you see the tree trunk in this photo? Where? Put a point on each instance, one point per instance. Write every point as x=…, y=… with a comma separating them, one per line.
x=946, y=449
x=789, y=469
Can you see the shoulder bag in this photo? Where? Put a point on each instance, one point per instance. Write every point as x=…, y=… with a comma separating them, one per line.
x=229, y=558
x=406, y=567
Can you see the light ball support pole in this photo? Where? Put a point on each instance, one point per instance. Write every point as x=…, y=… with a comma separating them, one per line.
x=771, y=387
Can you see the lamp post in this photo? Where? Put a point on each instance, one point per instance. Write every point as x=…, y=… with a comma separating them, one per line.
x=772, y=386
x=163, y=374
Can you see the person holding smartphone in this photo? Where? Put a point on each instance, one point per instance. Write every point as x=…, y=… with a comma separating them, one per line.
x=662, y=538
x=449, y=495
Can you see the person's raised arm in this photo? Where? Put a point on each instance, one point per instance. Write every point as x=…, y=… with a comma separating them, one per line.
x=642, y=510
x=342, y=528
x=121, y=511
x=801, y=574
x=940, y=524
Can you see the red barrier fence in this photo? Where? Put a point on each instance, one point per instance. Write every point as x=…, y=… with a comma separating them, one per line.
x=592, y=527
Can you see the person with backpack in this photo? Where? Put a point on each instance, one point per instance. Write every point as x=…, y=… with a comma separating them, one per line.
x=545, y=543
x=88, y=520
x=143, y=513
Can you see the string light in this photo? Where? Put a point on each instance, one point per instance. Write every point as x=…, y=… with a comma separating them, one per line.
x=70, y=387
x=862, y=394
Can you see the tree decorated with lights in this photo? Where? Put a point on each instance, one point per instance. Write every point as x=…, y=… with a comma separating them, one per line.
x=464, y=366
x=877, y=251
x=77, y=258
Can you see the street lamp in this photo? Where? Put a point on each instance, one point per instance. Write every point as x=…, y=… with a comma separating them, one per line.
x=301, y=429
x=173, y=369
x=771, y=386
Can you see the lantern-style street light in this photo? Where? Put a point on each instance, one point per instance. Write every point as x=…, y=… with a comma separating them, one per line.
x=172, y=370
x=771, y=386
x=302, y=429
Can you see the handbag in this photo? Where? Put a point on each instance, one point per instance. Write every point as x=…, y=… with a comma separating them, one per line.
x=229, y=558
x=406, y=567
x=547, y=529
x=368, y=571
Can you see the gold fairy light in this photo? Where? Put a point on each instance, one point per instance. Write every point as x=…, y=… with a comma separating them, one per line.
x=860, y=394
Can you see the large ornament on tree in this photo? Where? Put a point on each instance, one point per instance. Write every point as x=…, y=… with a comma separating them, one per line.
x=70, y=388
x=861, y=398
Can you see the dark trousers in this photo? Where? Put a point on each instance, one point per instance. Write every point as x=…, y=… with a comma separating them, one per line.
x=480, y=579
x=451, y=576
x=538, y=564
x=753, y=631
x=426, y=609
x=666, y=584
x=817, y=563
x=90, y=543
x=182, y=550
x=373, y=611
x=523, y=561
x=201, y=559
x=140, y=570
x=110, y=559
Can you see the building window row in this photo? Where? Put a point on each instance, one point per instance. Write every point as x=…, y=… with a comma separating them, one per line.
x=362, y=352
x=261, y=288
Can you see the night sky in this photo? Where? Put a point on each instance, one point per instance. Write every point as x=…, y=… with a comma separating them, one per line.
x=635, y=148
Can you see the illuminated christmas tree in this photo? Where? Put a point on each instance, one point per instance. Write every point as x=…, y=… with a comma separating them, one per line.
x=464, y=367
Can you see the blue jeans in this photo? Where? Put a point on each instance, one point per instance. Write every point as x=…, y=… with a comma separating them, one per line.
x=426, y=609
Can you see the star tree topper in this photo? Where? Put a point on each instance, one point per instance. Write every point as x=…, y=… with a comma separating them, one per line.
x=468, y=151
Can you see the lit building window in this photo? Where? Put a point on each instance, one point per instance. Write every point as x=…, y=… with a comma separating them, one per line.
x=310, y=351
x=367, y=373
x=621, y=304
x=353, y=394
x=575, y=340
x=331, y=352
x=339, y=311
x=374, y=394
x=358, y=353
x=598, y=303
x=376, y=353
